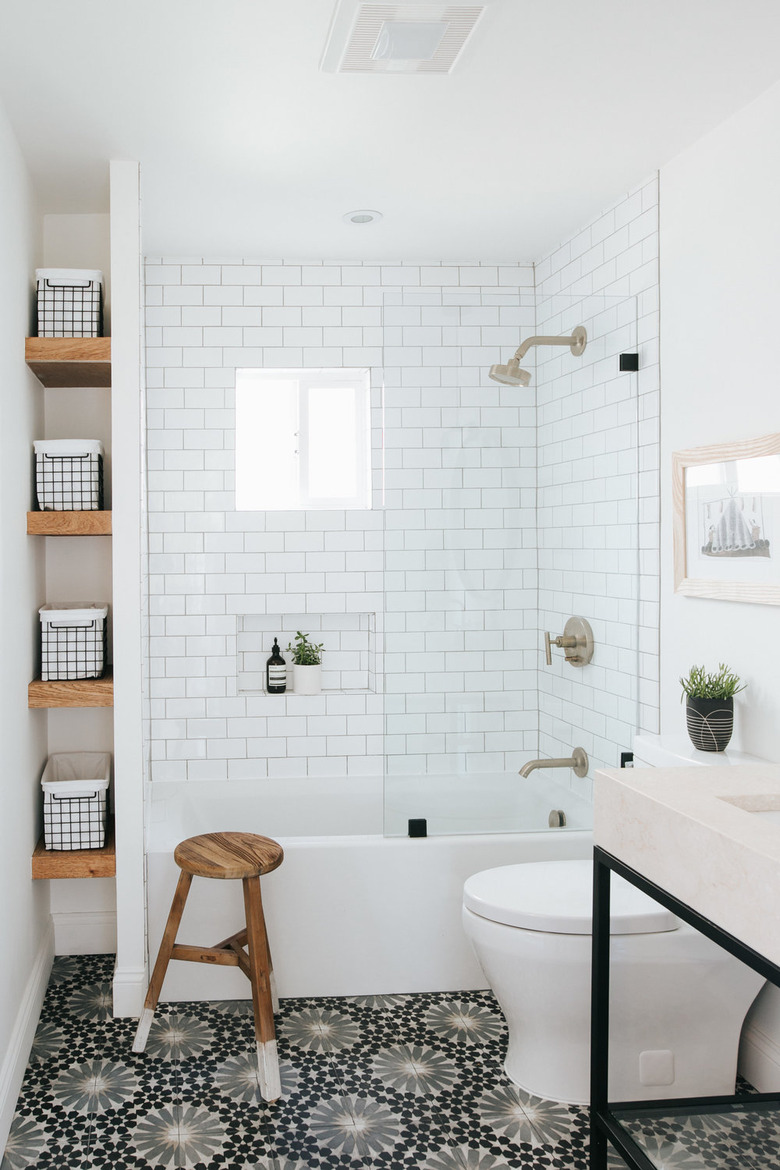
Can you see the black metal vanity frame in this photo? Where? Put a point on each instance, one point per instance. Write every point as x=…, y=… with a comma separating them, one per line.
x=605, y=1126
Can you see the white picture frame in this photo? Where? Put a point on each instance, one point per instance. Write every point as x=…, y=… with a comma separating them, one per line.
x=726, y=504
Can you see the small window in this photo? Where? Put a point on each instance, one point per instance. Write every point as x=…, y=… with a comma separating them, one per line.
x=302, y=439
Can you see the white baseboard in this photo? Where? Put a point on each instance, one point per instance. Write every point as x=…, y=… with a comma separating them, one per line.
x=18, y=1052
x=88, y=932
x=759, y=1059
x=93, y=932
x=129, y=991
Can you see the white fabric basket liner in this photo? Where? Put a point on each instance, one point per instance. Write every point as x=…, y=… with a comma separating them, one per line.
x=72, y=774
x=69, y=277
x=65, y=447
x=68, y=789
x=71, y=613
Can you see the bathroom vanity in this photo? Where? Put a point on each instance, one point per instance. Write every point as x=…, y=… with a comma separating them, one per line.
x=705, y=843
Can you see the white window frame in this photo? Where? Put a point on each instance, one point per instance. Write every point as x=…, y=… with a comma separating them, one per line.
x=359, y=378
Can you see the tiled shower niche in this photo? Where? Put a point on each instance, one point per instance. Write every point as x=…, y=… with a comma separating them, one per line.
x=349, y=656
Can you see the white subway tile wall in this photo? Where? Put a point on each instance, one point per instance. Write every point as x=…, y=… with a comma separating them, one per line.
x=439, y=573
x=598, y=499
x=431, y=606
x=460, y=536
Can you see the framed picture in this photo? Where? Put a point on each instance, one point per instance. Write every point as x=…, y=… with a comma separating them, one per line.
x=727, y=521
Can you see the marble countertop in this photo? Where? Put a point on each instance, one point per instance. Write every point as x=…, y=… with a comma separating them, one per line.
x=699, y=833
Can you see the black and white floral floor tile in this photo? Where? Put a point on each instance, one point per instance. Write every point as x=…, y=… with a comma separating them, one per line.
x=395, y=1082
x=729, y=1141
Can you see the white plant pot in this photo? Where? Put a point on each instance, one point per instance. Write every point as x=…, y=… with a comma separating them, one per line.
x=307, y=680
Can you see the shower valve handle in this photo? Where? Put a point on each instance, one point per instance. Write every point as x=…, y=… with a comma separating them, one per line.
x=561, y=641
x=576, y=640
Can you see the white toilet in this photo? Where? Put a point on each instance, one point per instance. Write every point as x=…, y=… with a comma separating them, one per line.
x=677, y=1001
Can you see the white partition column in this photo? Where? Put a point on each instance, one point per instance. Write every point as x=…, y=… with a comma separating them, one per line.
x=126, y=426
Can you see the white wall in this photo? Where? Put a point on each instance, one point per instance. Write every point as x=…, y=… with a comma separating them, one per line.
x=80, y=241
x=720, y=298
x=24, y=906
x=720, y=289
x=128, y=557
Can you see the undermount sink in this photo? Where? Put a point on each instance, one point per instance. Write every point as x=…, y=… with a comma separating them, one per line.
x=764, y=805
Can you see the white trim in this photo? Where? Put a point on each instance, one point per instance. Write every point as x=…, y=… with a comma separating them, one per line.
x=129, y=528
x=84, y=932
x=129, y=991
x=759, y=1059
x=18, y=1052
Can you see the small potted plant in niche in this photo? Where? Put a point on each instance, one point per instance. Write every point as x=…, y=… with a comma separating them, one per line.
x=709, y=708
x=307, y=665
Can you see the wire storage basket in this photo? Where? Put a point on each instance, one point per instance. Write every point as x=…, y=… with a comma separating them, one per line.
x=69, y=475
x=73, y=641
x=75, y=800
x=70, y=302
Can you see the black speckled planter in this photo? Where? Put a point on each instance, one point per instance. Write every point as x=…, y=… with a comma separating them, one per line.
x=710, y=723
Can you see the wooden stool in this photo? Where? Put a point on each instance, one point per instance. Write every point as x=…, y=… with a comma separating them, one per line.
x=226, y=855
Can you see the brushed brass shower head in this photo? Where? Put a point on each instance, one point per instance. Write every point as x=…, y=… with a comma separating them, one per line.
x=512, y=375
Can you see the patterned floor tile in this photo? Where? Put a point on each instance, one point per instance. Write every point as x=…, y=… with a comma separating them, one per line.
x=394, y=1082
x=42, y=1142
x=729, y=1141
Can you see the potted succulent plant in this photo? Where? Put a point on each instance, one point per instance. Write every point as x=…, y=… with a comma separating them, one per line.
x=710, y=706
x=307, y=665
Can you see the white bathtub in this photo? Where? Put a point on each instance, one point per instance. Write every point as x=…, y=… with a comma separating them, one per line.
x=350, y=912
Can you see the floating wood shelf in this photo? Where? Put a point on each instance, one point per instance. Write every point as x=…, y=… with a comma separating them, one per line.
x=68, y=523
x=79, y=692
x=69, y=361
x=76, y=863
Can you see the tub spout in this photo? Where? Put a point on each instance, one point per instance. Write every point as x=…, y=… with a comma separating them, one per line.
x=578, y=761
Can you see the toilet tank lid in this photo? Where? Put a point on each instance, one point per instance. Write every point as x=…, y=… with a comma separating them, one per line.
x=556, y=897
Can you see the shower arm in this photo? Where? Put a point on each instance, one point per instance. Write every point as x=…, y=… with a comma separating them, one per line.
x=523, y=349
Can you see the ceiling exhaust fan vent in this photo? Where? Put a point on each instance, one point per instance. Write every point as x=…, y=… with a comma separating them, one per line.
x=368, y=37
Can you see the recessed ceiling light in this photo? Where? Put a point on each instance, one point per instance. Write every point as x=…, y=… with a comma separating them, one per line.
x=362, y=216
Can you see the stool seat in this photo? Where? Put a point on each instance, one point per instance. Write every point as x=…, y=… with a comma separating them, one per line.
x=228, y=855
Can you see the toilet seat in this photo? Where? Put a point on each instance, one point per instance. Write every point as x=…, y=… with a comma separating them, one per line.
x=556, y=897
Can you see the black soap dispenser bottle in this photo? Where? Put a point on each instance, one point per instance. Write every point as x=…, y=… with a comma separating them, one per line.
x=276, y=672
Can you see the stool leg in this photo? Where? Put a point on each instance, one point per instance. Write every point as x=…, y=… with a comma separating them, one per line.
x=265, y=1034
x=163, y=958
x=271, y=978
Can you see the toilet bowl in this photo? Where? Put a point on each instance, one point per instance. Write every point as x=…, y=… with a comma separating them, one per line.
x=677, y=1001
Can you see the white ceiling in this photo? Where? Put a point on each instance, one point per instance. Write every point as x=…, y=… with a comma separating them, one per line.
x=556, y=108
